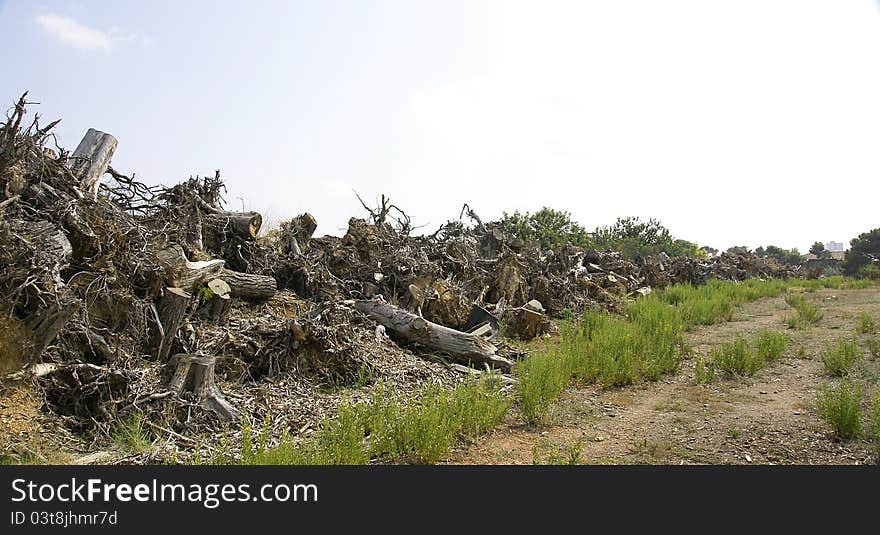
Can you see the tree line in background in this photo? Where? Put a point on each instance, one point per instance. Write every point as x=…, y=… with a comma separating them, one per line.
x=631, y=236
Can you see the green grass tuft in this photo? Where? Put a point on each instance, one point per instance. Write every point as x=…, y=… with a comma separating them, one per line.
x=839, y=358
x=769, y=345
x=841, y=407
x=131, y=433
x=866, y=324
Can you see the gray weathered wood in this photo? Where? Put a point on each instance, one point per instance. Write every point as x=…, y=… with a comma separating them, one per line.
x=172, y=309
x=181, y=273
x=465, y=347
x=91, y=158
x=195, y=373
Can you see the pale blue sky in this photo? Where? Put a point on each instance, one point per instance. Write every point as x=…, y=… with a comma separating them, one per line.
x=749, y=121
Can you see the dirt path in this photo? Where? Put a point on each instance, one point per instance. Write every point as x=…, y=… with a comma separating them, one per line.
x=770, y=418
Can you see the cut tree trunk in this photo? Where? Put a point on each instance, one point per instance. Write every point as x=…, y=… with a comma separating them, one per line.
x=223, y=224
x=465, y=347
x=217, y=307
x=248, y=286
x=171, y=310
x=181, y=273
x=195, y=373
x=302, y=227
x=91, y=158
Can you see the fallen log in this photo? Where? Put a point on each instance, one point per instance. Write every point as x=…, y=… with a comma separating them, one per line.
x=171, y=310
x=249, y=286
x=181, y=273
x=466, y=347
x=91, y=158
x=194, y=373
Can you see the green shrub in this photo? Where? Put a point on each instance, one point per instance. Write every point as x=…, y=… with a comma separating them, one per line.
x=737, y=358
x=769, y=345
x=874, y=419
x=874, y=347
x=841, y=408
x=704, y=371
x=866, y=324
x=806, y=313
x=840, y=357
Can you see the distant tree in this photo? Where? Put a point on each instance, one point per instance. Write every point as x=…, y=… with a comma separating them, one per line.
x=546, y=228
x=784, y=256
x=818, y=249
x=709, y=251
x=863, y=256
x=632, y=236
x=741, y=249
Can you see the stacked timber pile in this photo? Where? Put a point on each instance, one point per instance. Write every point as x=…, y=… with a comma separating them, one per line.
x=117, y=296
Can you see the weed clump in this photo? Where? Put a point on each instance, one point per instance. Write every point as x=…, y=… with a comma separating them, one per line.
x=840, y=407
x=839, y=358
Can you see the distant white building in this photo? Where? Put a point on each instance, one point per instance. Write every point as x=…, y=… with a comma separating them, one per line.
x=834, y=246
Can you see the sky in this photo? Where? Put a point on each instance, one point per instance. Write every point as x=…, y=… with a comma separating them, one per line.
x=740, y=122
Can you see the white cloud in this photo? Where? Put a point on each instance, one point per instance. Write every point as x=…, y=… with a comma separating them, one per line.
x=74, y=33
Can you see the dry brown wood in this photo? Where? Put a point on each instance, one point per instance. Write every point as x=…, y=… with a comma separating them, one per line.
x=195, y=373
x=91, y=158
x=172, y=309
x=249, y=286
x=464, y=347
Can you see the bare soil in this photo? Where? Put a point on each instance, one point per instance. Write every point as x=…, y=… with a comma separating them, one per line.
x=770, y=418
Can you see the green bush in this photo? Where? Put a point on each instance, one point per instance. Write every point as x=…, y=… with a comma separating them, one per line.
x=704, y=371
x=840, y=357
x=769, y=345
x=737, y=358
x=874, y=419
x=841, y=408
x=866, y=325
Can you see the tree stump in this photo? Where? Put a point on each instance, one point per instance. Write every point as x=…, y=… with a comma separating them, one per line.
x=195, y=373
x=171, y=309
x=217, y=307
x=91, y=158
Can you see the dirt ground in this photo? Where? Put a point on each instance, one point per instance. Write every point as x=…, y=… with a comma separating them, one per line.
x=770, y=418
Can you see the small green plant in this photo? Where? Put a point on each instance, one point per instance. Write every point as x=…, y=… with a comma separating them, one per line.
x=566, y=454
x=874, y=347
x=131, y=433
x=737, y=358
x=840, y=407
x=839, y=358
x=422, y=429
x=807, y=313
x=866, y=324
x=733, y=432
x=874, y=419
x=704, y=371
x=769, y=345
x=801, y=352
